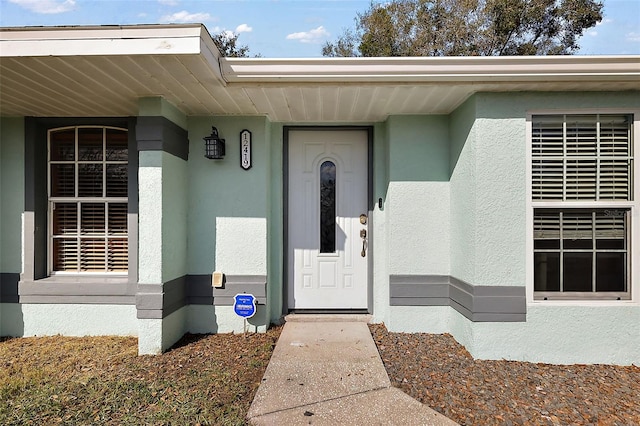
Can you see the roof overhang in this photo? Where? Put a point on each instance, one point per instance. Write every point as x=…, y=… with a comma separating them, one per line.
x=450, y=70
x=103, y=71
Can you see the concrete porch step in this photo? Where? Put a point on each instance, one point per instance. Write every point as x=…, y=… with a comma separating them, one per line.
x=299, y=317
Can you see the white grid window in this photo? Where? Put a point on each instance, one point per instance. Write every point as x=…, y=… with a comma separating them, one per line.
x=582, y=195
x=88, y=199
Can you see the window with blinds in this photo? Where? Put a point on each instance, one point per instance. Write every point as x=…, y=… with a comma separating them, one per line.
x=88, y=179
x=582, y=157
x=582, y=252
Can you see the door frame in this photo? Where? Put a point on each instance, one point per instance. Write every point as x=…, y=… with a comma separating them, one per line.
x=285, y=211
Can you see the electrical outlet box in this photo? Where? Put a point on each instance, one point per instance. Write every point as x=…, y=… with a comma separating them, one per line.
x=217, y=279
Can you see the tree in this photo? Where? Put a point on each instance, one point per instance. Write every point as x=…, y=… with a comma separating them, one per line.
x=468, y=27
x=227, y=44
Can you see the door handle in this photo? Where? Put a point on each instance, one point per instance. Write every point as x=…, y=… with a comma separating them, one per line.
x=363, y=235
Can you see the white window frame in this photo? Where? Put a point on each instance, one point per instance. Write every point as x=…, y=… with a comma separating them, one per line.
x=634, y=206
x=51, y=201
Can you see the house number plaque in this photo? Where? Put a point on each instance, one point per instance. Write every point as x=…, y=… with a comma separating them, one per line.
x=245, y=149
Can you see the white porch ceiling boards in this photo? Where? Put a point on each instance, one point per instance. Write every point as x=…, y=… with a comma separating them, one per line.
x=103, y=71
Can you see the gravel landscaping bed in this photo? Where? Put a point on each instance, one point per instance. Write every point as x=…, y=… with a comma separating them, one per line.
x=439, y=372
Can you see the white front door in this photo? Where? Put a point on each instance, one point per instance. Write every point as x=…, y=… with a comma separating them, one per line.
x=327, y=219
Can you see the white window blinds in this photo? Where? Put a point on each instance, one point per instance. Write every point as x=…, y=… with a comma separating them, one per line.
x=88, y=180
x=582, y=157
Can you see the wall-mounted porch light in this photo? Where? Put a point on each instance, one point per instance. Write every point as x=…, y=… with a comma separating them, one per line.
x=213, y=145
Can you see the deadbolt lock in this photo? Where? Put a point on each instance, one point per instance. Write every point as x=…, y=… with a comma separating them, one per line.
x=363, y=219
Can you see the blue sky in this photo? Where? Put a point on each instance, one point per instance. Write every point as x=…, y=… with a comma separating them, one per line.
x=278, y=28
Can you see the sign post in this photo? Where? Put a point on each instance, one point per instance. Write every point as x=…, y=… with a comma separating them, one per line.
x=244, y=305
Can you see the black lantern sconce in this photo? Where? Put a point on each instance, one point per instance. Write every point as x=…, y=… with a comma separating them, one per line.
x=213, y=145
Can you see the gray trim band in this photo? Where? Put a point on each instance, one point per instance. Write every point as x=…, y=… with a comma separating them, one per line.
x=200, y=291
x=9, y=287
x=477, y=303
x=161, y=134
x=157, y=301
x=80, y=290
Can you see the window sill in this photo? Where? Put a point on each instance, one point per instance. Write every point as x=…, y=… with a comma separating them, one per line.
x=584, y=302
x=98, y=289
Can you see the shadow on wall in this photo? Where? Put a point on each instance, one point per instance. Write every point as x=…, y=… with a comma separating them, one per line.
x=208, y=319
x=11, y=318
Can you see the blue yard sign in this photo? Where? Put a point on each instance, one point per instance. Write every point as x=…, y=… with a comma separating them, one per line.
x=244, y=305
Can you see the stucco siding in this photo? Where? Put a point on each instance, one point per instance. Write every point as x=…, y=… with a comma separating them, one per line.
x=222, y=319
x=462, y=163
x=560, y=335
x=417, y=208
x=175, y=192
x=150, y=217
x=68, y=320
x=418, y=224
x=228, y=206
x=275, y=224
x=500, y=187
x=379, y=230
x=488, y=229
x=552, y=334
x=11, y=193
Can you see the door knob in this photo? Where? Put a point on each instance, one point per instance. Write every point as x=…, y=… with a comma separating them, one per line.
x=363, y=235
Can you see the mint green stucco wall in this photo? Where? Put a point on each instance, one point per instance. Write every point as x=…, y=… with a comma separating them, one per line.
x=454, y=203
x=488, y=179
x=487, y=197
x=235, y=215
x=417, y=211
x=11, y=192
x=11, y=200
x=175, y=192
x=462, y=165
x=379, y=225
x=275, y=230
x=228, y=206
x=487, y=184
x=163, y=213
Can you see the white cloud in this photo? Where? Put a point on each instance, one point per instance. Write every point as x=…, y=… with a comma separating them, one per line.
x=633, y=36
x=184, y=16
x=313, y=36
x=593, y=32
x=169, y=2
x=243, y=28
x=49, y=7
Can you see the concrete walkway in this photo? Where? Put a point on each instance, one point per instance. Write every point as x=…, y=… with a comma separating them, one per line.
x=325, y=370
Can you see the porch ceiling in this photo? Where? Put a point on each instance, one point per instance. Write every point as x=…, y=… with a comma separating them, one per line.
x=103, y=71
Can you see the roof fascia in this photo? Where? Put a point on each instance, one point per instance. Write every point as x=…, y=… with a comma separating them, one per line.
x=100, y=40
x=114, y=41
x=445, y=69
